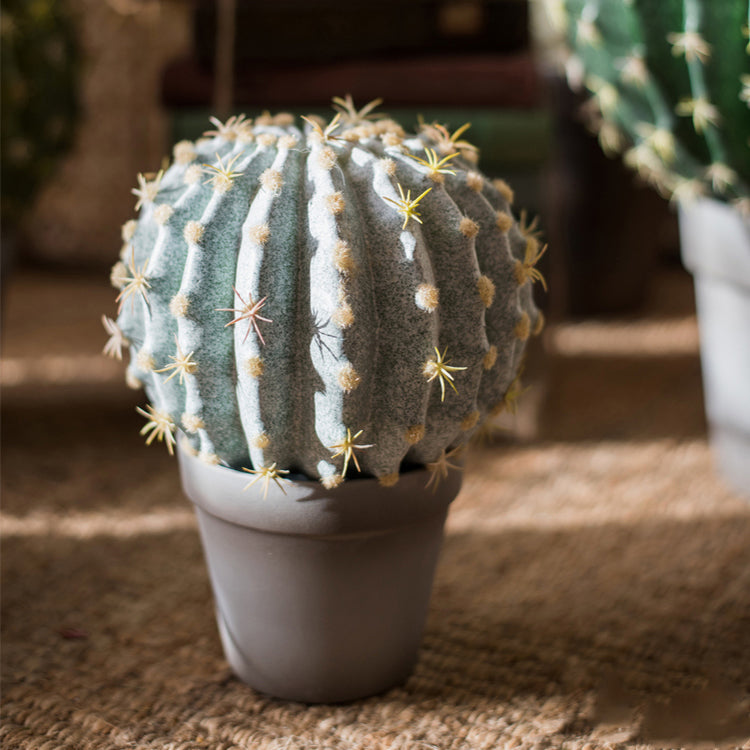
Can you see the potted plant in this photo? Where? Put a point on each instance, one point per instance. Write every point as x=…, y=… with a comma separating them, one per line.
x=670, y=86
x=39, y=63
x=322, y=317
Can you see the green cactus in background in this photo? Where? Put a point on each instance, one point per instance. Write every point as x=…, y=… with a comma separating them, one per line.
x=670, y=81
x=324, y=300
x=39, y=62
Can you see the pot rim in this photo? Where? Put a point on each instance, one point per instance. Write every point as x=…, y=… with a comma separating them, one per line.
x=358, y=506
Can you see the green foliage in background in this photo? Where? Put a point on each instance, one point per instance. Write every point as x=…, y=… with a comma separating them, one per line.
x=670, y=85
x=39, y=61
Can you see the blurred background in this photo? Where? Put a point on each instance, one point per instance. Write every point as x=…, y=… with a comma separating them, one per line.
x=593, y=541
x=96, y=92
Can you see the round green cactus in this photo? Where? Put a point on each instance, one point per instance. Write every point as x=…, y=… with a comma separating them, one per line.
x=324, y=300
x=39, y=67
x=670, y=81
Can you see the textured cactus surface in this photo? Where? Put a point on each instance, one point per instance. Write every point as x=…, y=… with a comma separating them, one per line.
x=670, y=81
x=38, y=73
x=324, y=299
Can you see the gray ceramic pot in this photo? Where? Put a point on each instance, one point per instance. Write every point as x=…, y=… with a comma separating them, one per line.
x=321, y=595
x=715, y=241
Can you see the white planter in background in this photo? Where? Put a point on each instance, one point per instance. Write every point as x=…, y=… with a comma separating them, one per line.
x=715, y=241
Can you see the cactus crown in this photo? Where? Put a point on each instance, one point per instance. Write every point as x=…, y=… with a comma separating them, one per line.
x=323, y=300
x=670, y=85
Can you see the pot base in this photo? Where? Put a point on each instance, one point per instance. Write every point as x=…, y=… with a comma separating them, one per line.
x=731, y=450
x=322, y=691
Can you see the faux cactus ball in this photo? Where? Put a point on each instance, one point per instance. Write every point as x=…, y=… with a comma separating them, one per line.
x=325, y=300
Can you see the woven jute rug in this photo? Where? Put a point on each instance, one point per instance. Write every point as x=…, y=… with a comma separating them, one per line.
x=593, y=591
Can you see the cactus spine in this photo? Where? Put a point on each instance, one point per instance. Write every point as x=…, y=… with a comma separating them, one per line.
x=670, y=81
x=323, y=300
